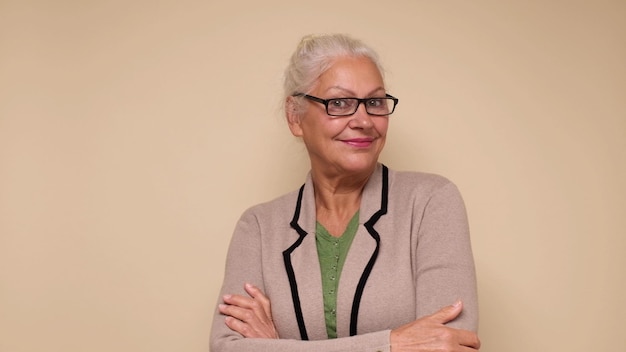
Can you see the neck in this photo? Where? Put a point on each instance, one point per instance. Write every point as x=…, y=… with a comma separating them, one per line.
x=338, y=196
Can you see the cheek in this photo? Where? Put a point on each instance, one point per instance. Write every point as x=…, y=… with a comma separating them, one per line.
x=381, y=126
x=332, y=127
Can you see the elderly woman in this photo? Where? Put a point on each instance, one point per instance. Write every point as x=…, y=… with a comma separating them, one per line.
x=360, y=258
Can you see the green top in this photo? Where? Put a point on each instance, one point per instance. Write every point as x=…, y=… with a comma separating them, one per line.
x=332, y=252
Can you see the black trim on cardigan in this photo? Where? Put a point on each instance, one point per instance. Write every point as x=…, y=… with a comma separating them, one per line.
x=289, y=267
x=369, y=225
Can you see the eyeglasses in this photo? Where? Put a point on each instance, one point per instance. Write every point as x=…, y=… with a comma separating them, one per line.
x=348, y=106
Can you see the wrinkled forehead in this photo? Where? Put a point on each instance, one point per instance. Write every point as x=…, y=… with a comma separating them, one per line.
x=349, y=74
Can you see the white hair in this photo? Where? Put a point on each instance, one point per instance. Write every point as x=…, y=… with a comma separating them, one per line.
x=315, y=54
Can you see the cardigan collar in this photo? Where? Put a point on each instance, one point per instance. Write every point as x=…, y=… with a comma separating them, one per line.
x=301, y=258
x=372, y=200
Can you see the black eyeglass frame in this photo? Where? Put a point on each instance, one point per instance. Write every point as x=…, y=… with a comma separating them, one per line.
x=359, y=101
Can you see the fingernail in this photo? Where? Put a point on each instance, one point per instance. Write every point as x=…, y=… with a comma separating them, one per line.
x=221, y=306
x=457, y=304
x=226, y=297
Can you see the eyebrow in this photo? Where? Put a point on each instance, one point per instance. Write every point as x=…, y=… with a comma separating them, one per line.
x=348, y=91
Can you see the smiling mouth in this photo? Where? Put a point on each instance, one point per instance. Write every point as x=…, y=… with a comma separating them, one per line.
x=359, y=142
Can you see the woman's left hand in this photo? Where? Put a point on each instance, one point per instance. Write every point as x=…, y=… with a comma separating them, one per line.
x=249, y=316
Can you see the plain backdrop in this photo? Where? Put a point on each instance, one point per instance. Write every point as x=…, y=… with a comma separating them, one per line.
x=134, y=133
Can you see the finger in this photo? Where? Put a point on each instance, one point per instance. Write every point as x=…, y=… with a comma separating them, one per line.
x=448, y=313
x=242, y=314
x=247, y=323
x=468, y=339
x=252, y=290
x=245, y=309
x=259, y=305
x=239, y=300
x=468, y=349
x=250, y=330
x=258, y=295
x=238, y=326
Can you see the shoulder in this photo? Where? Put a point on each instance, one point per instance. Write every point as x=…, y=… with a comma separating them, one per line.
x=280, y=207
x=419, y=183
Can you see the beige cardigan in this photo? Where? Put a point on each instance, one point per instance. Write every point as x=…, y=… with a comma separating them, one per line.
x=410, y=257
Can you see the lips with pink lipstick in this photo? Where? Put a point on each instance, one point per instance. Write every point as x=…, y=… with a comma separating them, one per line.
x=359, y=142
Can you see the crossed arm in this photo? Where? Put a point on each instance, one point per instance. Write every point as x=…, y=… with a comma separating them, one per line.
x=244, y=320
x=251, y=317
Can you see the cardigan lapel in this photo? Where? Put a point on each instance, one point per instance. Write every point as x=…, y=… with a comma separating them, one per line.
x=362, y=253
x=302, y=262
x=303, y=268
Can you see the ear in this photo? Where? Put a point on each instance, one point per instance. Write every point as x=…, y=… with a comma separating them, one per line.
x=294, y=116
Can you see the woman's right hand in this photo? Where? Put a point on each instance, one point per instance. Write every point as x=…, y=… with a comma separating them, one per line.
x=430, y=334
x=250, y=316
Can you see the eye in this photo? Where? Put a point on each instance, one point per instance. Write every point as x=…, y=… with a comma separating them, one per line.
x=376, y=102
x=338, y=103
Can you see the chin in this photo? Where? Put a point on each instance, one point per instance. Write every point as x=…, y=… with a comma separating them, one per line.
x=360, y=166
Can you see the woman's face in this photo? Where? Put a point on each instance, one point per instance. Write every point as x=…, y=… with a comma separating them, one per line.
x=348, y=144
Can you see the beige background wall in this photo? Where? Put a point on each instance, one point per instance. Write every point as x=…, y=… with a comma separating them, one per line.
x=134, y=133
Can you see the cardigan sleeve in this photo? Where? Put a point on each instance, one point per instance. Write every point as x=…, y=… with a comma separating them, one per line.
x=244, y=264
x=443, y=258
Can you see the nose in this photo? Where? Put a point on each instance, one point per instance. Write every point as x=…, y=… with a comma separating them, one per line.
x=361, y=119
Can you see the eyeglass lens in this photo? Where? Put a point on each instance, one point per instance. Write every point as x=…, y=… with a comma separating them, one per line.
x=348, y=106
